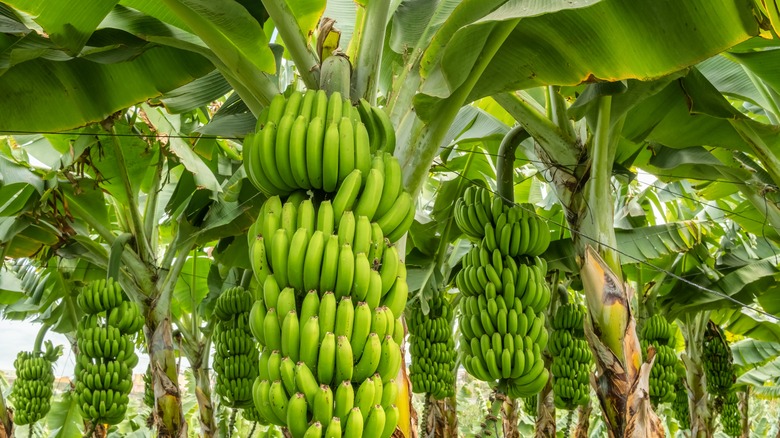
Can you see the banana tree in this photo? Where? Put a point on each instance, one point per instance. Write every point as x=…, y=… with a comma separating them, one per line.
x=92, y=208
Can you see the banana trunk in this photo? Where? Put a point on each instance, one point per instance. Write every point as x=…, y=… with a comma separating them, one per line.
x=440, y=418
x=208, y=426
x=621, y=379
x=744, y=408
x=6, y=425
x=545, y=417
x=698, y=399
x=168, y=413
x=510, y=418
x=583, y=421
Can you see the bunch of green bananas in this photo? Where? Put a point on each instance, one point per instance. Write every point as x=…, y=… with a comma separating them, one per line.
x=106, y=353
x=515, y=231
x=310, y=141
x=718, y=362
x=270, y=432
x=663, y=376
x=504, y=296
x=148, y=388
x=236, y=359
x=492, y=273
x=680, y=403
x=339, y=344
x=349, y=258
x=32, y=388
x=572, y=359
x=331, y=284
x=531, y=405
x=432, y=349
x=730, y=417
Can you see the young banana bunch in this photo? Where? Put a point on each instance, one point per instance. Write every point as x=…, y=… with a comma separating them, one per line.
x=432, y=349
x=663, y=376
x=572, y=359
x=106, y=352
x=32, y=388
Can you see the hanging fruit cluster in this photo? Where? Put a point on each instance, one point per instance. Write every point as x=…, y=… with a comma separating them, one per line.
x=332, y=286
x=572, y=359
x=663, y=376
x=718, y=362
x=236, y=355
x=730, y=417
x=106, y=356
x=680, y=403
x=504, y=293
x=531, y=405
x=148, y=388
x=32, y=388
x=432, y=349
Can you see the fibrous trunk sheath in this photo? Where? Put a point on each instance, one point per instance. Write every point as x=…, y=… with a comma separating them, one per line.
x=168, y=412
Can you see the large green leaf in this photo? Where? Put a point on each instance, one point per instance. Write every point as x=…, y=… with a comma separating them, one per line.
x=197, y=93
x=636, y=245
x=307, y=13
x=64, y=418
x=67, y=26
x=747, y=324
x=749, y=352
x=230, y=31
x=47, y=95
x=237, y=44
x=731, y=79
x=742, y=284
x=569, y=43
x=191, y=285
x=203, y=175
x=768, y=373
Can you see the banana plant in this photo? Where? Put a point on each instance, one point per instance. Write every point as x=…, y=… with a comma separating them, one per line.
x=143, y=216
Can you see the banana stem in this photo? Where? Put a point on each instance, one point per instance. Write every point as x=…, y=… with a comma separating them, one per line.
x=252, y=430
x=557, y=112
x=295, y=41
x=232, y=423
x=144, y=249
x=416, y=156
x=369, y=55
x=569, y=422
x=91, y=430
x=490, y=426
x=549, y=136
x=150, y=209
x=246, y=279
x=598, y=222
x=505, y=164
x=142, y=282
x=39, y=338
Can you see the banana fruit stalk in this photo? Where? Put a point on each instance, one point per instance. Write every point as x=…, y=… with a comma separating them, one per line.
x=331, y=284
x=106, y=351
x=504, y=291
